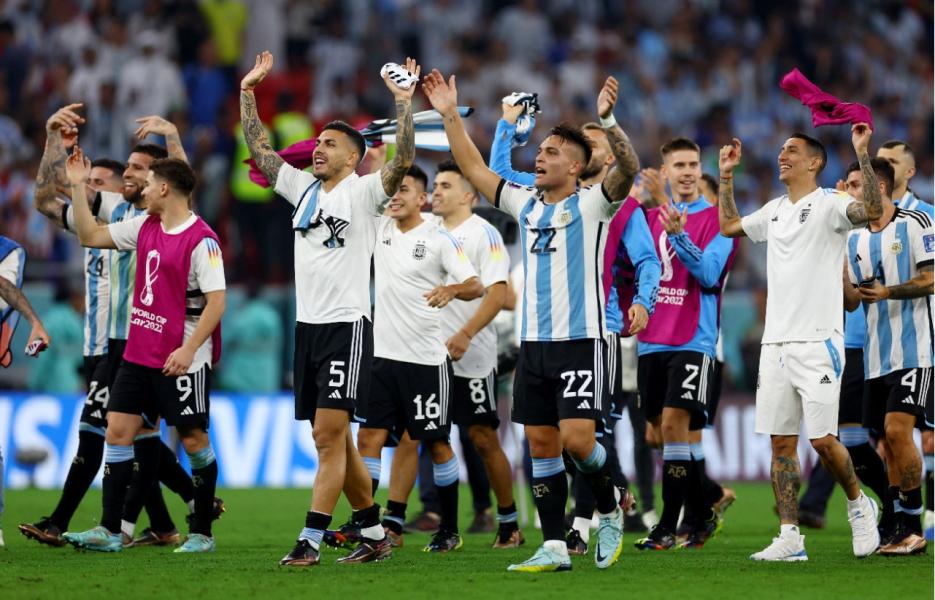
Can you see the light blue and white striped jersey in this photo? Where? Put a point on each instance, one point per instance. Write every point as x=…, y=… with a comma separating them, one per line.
x=111, y=207
x=563, y=253
x=96, y=294
x=910, y=201
x=898, y=331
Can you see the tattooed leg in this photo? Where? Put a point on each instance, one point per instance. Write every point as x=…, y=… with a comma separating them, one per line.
x=786, y=478
x=837, y=461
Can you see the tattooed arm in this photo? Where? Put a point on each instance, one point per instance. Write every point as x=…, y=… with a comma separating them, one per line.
x=619, y=180
x=50, y=177
x=393, y=172
x=160, y=126
x=871, y=207
x=254, y=132
x=13, y=296
x=918, y=287
x=728, y=215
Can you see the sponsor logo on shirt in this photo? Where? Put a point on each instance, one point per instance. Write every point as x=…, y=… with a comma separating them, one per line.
x=825, y=379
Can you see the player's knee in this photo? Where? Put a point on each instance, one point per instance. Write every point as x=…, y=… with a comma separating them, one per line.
x=579, y=448
x=785, y=445
x=896, y=432
x=327, y=438
x=193, y=439
x=484, y=439
x=441, y=451
x=368, y=440
x=824, y=446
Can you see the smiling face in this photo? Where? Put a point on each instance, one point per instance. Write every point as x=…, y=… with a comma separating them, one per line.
x=408, y=200
x=154, y=193
x=102, y=179
x=682, y=169
x=334, y=155
x=558, y=162
x=450, y=194
x=601, y=154
x=797, y=161
x=134, y=177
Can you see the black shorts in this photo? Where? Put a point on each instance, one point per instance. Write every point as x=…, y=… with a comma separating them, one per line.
x=474, y=400
x=332, y=367
x=616, y=397
x=851, y=409
x=678, y=379
x=94, y=412
x=145, y=391
x=714, y=395
x=560, y=380
x=906, y=391
x=115, y=349
x=410, y=397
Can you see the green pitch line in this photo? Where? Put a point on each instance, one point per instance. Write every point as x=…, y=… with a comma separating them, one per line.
x=261, y=525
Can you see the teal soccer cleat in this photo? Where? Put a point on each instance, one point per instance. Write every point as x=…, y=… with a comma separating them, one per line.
x=196, y=542
x=98, y=539
x=609, y=539
x=545, y=559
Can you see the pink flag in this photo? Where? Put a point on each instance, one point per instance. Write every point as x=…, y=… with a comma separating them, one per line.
x=826, y=109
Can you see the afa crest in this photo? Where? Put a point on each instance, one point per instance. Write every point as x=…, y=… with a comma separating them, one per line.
x=896, y=247
x=418, y=252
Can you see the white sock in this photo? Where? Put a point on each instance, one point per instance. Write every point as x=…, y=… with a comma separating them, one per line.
x=583, y=526
x=128, y=528
x=855, y=503
x=191, y=506
x=788, y=528
x=374, y=532
x=557, y=546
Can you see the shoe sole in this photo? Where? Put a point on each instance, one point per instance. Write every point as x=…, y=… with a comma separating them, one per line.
x=539, y=568
x=80, y=546
x=40, y=536
x=912, y=550
x=183, y=551
x=440, y=551
x=143, y=542
x=299, y=563
x=380, y=556
x=785, y=559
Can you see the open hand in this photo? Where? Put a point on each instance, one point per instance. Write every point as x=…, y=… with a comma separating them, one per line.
x=607, y=98
x=653, y=183
x=77, y=167
x=729, y=157
x=65, y=119
x=440, y=296
x=264, y=64
x=672, y=220
x=154, y=124
x=443, y=96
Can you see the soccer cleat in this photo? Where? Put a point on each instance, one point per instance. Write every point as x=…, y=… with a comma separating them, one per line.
x=627, y=500
x=720, y=507
x=98, y=539
x=196, y=542
x=369, y=551
x=575, y=544
x=303, y=555
x=345, y=536
x=482, y=523
x=396, y=539
x=157, y=538
x=44, y=532
x=509, y=537
x=425, y=521
x=789, y=547
x=701, y=534
x=217, y=510
x=609, y=536
x=909, y=544
x=545, y=560
x=866, y=536
x=659, y=538
x=444, y=541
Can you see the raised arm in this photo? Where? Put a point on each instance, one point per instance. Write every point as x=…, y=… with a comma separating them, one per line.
x=727, y=213
x=90, y=233
x=393, y=172
x=502, y=147
x=253, y=131
x=871, y=207
x=159, y=126
x=619, y=180
x=14, y=296
x=444, y=98
x=51, y=173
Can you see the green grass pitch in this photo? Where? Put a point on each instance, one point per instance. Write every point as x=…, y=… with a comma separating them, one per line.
x=261, y=524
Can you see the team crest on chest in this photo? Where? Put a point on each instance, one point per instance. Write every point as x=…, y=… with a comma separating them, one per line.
x=896, y=247
x=804, y=214
x=564, y=218
x=418, y=252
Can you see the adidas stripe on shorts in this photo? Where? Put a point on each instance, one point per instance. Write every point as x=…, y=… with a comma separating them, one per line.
x=679, y=379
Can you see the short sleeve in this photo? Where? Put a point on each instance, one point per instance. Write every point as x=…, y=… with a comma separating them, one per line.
x=512, y=197
x=756, y=224
x=595, y=203
x=102, y=206
x=125, y=233
x=291, y=183
x=208, y=266
x=838, y=202
x=493, y=262
x=921, y=239
x=9, y=266
x=369, y=190
x=454, y=260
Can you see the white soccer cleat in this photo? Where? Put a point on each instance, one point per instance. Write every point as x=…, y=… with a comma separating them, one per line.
x=863, y=518
x=399, y=75
x=788, y=547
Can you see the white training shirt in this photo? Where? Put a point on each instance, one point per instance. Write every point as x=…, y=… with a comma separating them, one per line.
x=563, y=257
x=898, y=331
x=206, y=274
x=9, y=270
x=334, y=246
x=407, y=265
x=484, y=247
x=804, y=264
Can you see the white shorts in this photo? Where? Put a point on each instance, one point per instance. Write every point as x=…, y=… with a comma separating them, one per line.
x=796, y=380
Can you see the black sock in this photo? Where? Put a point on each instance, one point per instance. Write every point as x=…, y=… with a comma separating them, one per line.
x=869, y=468
x=374, y=484
x=80, y=475
x=155, y=505
x=695, y=495
x=367, y=517
x=506, y=517
x=550, y=494
x=602, y=486
x=675, y=479
x=929, y=492
x=204, y=480
x=890, y=517
x=145, y=468
x=584, y=497
x=911, y=503
x=173, y=475
x=395, y=516
x=448, y=498
x=118, y=471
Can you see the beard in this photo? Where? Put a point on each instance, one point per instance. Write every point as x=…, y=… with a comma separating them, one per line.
x=592, y=169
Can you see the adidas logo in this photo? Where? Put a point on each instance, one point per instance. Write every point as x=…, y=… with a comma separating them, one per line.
x=188, y=411
x=431, y=426
x=97, y=414
x=387, y=242
x=480, y=410
x=775, y=219
x=335, y=395
x=825, y=379
x=687, y=396
x=908, y=400
x=584, y=405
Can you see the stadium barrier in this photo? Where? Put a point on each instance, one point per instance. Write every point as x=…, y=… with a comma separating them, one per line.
x=259, y=444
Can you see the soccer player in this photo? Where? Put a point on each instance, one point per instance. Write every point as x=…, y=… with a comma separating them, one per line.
x=472, y=340
x=561, y=380
x=109, y=302
x=901, y=156
x=800, y=361
x=335, y=229
x=677, y=349
x=630, y=277
x=891, y=262
x=410, y=393
x=174, y=340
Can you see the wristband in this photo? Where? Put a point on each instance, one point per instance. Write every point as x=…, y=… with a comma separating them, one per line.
x=726, y=177
x=608, y=122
